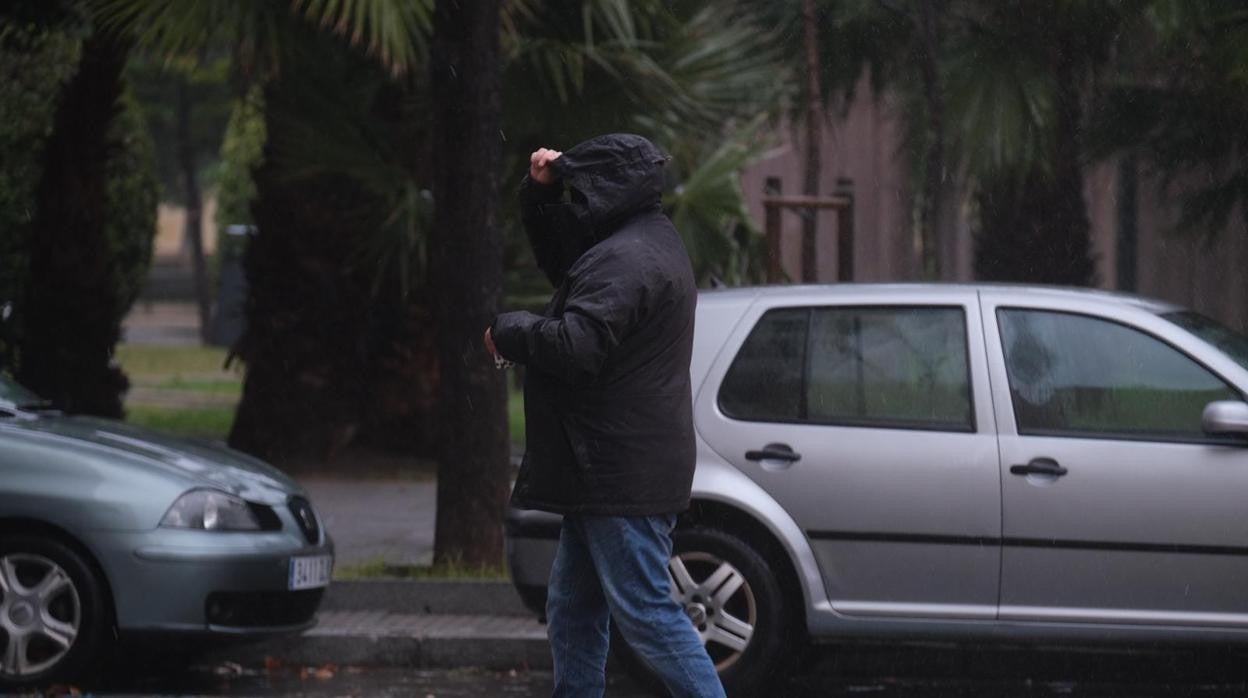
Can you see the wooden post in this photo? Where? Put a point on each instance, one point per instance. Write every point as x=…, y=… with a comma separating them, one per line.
x=845, y=231
x=814, y=129
x=772, y=187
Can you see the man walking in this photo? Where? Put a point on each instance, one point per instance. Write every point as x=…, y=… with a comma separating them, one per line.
x=608, y=408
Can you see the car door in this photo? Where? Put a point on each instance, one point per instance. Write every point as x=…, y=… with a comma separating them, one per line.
x=1117, y=508
x=867, y=416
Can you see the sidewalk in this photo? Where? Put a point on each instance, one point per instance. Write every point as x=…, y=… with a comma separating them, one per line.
x=372, y=521
x=412, y=624
x=172, y=323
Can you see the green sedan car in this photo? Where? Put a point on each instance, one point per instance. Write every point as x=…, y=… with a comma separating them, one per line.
x=108, y=530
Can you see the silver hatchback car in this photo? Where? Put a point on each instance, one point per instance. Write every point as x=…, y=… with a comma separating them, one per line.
x=953, y=462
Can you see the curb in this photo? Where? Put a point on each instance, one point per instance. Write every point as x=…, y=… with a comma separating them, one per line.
x=381, y=639
x=429, y=597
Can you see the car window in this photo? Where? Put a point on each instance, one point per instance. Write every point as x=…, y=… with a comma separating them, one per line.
x=1228, y=341
x=1078, y=375
x=904, y=367
x=764, y=383
x=886, y=367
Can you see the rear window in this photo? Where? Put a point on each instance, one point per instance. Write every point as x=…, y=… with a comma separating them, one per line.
x=877, y=367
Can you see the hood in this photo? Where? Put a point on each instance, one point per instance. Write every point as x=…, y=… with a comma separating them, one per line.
x=612, y=178
x=202, y=464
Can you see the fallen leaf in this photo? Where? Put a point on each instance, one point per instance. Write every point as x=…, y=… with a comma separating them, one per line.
x=228, y=669
x=272, y=664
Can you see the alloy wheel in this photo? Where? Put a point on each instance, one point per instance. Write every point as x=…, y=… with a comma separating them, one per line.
x=40, y=614
x=718, y=601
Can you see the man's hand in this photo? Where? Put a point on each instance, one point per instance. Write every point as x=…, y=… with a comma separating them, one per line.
x=539, y=165
x=489, y=342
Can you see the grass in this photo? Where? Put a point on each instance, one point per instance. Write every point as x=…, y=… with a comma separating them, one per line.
x=222, y=387
x=148, y=361
x=515, y=416
x=173, y=382
x=182, y=391
x=196, y=422
x=379, y=569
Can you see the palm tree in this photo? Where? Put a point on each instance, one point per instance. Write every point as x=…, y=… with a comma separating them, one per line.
x=350, y=325
x=1019, y=74
x=1179, y=99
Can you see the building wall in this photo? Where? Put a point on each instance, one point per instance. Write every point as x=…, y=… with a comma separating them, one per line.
x=864, y=145
x=1204, y=272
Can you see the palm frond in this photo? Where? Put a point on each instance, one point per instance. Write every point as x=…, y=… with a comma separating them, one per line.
x=177, y=29
x=334, y=129
x=708, y=207
x=621, y=64
x=396, y=32
x=1005, y=103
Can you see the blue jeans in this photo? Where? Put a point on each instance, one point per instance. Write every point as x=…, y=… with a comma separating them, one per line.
x=615, y=567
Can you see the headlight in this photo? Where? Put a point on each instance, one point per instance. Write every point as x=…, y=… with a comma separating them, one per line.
x=210, y=510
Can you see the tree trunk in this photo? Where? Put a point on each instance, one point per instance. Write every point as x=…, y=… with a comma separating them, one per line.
x=329, y=363
x=303, y=393
x=931, y=39
x=466, y=273
x=814, y=102
x=194, y=210
x=74, y=323
x=1034, y=226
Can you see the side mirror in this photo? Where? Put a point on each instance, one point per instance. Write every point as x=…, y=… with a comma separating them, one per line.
x=1225, y=417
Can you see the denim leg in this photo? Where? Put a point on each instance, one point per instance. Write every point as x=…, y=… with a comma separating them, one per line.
x=631, y=555
x=577, y=618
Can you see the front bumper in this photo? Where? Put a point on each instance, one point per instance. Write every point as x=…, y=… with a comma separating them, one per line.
x=203, y=582
x=531, y=538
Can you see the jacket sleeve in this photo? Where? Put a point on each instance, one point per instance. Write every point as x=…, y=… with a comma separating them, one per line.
x=603, y=307
x=543, y=237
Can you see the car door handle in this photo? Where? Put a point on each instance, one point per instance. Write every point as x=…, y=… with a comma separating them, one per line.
x=782, y=452
x=1039, y=466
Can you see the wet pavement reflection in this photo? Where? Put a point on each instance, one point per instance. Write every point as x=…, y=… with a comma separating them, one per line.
x=830, y=671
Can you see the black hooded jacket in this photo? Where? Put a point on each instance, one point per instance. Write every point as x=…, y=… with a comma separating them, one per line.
x=608, y=404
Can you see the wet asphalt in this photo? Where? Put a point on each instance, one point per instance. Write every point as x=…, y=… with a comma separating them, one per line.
x=971, y=672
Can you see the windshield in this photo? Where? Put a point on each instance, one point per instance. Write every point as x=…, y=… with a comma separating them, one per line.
x=12, y=392
x=1224, y=338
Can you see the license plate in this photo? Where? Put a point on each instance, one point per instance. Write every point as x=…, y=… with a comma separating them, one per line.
x=310, y=572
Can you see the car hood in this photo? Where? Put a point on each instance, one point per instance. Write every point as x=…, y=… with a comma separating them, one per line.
x=200, y=463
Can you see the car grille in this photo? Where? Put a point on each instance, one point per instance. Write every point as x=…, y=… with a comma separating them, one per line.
x=265, y=517
x=306, y=518
x=262, y=609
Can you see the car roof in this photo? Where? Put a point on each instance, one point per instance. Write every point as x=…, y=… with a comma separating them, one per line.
x=849, y=290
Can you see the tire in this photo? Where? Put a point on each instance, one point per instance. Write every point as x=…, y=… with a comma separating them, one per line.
x=748, y=666
x=54, y=615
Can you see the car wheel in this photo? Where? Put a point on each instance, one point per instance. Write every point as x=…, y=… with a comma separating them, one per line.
x=734, y=601
x=53, y=613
